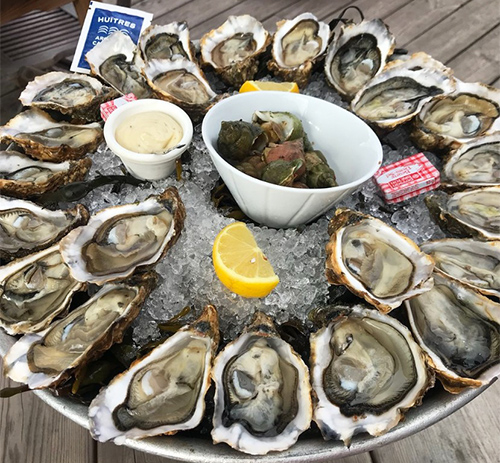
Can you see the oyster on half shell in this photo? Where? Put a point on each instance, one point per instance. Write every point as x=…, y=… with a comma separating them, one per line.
x=375, y=261
x=233, y=48
x=118, y=240
x=34, y=290
x=357, y=55
x=76, y=95
x=169, y=41
x=26, y=227
x=366, y=371
x=469, y=213
x=43, y=138
x=24, y=177
x=48, y=358
x=262, y=391
x=459, y=330
x=163, y=392
x=297, y=44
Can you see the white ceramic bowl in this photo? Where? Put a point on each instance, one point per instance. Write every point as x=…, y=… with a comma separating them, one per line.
x=352, y=149
x=148, y=166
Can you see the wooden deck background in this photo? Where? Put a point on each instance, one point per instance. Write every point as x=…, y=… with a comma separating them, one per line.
x=464, y=34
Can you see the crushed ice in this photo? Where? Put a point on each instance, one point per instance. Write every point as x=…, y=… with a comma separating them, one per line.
x=186, y=273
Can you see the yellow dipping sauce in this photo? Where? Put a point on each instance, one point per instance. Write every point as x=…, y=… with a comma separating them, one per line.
x=151, y=132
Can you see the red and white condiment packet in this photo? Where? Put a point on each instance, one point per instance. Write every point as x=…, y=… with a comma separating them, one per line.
x=108, y=107
x=407, y=178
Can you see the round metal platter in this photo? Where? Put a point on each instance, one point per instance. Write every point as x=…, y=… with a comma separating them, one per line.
x=437, y=404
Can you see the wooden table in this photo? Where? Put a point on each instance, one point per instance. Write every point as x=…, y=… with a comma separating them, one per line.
x=464, y=34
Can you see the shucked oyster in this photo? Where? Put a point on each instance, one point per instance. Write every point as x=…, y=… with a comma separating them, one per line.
x=476, y=163
x=48, y=358
x=470, y=213
x=43, y=138
x=473, y=263
x=77, y=95
x=232, y=49
x=459, y=330
x=375, y=261
x=263, y=395
x=297, y=45
x=169, y=41
x=34, y=290
x=366, y=371
x=24, y=177
x=357, y=55
x=116, y=61
x=26, y=227
x=119, y=239
x=163, y=392
x=181, y=82
x=446, y=121
x=397, y=94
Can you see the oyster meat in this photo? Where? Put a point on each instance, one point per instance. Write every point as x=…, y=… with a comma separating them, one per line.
x=358, y=55
x=117, y=62
x=376, y=262
x=24, y=177
x=181, y=82
x=473, y=213
x=297, y=44
x=26, y=227
x=473, y=263
x=233, y=48
x=366, y=371
x=118, y=240
x=48, y=358
x=162, y=393
x=459, y=329
x=76, y=95
x=34, y=290
x=262, y=391
x=446, y=121
x=43, y=138
x=474, y=164
x=398, y=93
x=169, y=41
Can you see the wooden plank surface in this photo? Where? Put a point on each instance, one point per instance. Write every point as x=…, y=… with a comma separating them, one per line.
x=33, y=432
x=471, y=435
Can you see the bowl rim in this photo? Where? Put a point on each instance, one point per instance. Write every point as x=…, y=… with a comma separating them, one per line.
x=149, y=104
x=257, y=182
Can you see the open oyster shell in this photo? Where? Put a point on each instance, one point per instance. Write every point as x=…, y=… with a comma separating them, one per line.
x=375, y=261
x=262, y=391
x=473, y=213
x=181, y=82
x=48, y=358
x=357, y=55
x=76, y=95
x=297, y=44
x=233, y=48
x=26, y=227
x=163, y=392
x=473, y=263
x=169, y=41
x=34, y=290
x=117, y=62
x=24, y=177
x=398, y=93
x=473, y=164
x=366, y=371
x=459, y=330
x=43, y=138
x=446, y=121
x=118, y=240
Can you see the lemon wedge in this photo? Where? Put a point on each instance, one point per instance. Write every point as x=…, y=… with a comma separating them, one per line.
x=254, y=85
x=240, y=264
